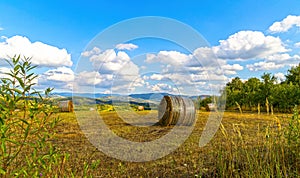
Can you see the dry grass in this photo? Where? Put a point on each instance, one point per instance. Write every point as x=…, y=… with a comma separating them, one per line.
x=238, y=132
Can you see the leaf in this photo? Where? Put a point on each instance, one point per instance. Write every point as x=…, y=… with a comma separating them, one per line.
x=20, y=81
x=24, y=121
x=23, y=69
x=16, y=69
x=31, y=77
x=2, y=171
x=3, y=145
x=31, y=67
x=17, y=90
x=13, y=141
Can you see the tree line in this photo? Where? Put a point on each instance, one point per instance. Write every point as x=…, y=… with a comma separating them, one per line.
x=265, y=94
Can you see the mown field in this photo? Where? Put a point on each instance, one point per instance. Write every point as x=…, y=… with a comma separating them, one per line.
x=246, y=145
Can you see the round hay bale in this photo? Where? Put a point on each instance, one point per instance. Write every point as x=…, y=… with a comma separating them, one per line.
x=211, y=107
x=140, y=108
x=203, y=108
x=176, y=110
x=66, y=106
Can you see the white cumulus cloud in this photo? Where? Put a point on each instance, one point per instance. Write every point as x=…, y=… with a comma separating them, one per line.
x=63, y=74
x=249, y=45
x=174, y=58
x=286, y=24
x=126, y=46
x=113, y=70
x=42, y=54
x=297, y=45
x=89, y=53
x=91, y=78
x=163, y=87
x=110, y=61
x=3, y=71
x=284, y=58
x=263, y=65
x=61, y=78
x=280, y=77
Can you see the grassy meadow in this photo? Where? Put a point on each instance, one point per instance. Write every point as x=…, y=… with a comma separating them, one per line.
x=246, y=145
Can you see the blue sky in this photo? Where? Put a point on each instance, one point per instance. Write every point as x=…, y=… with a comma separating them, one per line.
x=57, y=33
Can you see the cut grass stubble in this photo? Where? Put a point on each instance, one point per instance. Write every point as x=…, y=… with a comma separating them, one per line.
x=246, y=145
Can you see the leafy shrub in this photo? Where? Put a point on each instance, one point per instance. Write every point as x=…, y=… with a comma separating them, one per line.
x=26, y=125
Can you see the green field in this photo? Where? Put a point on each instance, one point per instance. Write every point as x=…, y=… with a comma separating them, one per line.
x=246, y=145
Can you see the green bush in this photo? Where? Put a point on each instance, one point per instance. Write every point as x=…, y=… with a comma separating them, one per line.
x=26, y=125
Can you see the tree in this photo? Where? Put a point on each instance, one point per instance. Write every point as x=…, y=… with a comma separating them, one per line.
x=234, y=92
x=268, y=84
x=293, y=75
x=255, y=92
x=205, y=101
x=252, y=89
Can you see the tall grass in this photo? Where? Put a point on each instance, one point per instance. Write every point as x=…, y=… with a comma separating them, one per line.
x=275, y=154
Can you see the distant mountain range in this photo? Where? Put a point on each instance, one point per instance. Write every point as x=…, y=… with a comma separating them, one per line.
x=148, y=100
x=156, y=97
x=85, y=95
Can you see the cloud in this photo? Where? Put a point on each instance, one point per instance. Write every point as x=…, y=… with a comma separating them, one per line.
x=297, y=45
x=42, y=54
x=94, y=78
x=200, y=71
x=155, y=77
x=94, y=51
x=110, y=61
x=286, y=24
x=202, y=59
x=61, y=78
x=232, y=69
x=248, y=45
x=111, y=70
x=280, y=77
x=162, y=87
x=1, y=28
x=63, y=74
x=275, y=61
x=204, y=56
x=127, y=46
x=263, y=65
x=174, y=58
x=3, y=71
x=284, y=58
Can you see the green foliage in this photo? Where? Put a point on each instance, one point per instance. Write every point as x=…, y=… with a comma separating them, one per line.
x=205, y=101
x=26, y=125
x=293, y=132
x=293, y=75
x=265, y=92
x=106, y=107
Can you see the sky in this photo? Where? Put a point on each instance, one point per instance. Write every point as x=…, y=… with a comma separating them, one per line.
x=192, y=47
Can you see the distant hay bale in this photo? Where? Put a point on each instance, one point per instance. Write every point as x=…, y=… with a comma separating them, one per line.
x=176, y=110
x=66, y=106
x=203, y=109
x=140, y=108
x=211, y=107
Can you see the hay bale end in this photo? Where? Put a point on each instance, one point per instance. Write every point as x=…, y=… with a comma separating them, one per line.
x=141, y=108
x=176, y=110
x=66, y=106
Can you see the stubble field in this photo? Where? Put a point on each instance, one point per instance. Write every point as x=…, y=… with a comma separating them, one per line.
x=245, y=145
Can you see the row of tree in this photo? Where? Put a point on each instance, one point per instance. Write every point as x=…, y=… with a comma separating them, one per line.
x=266, y=94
